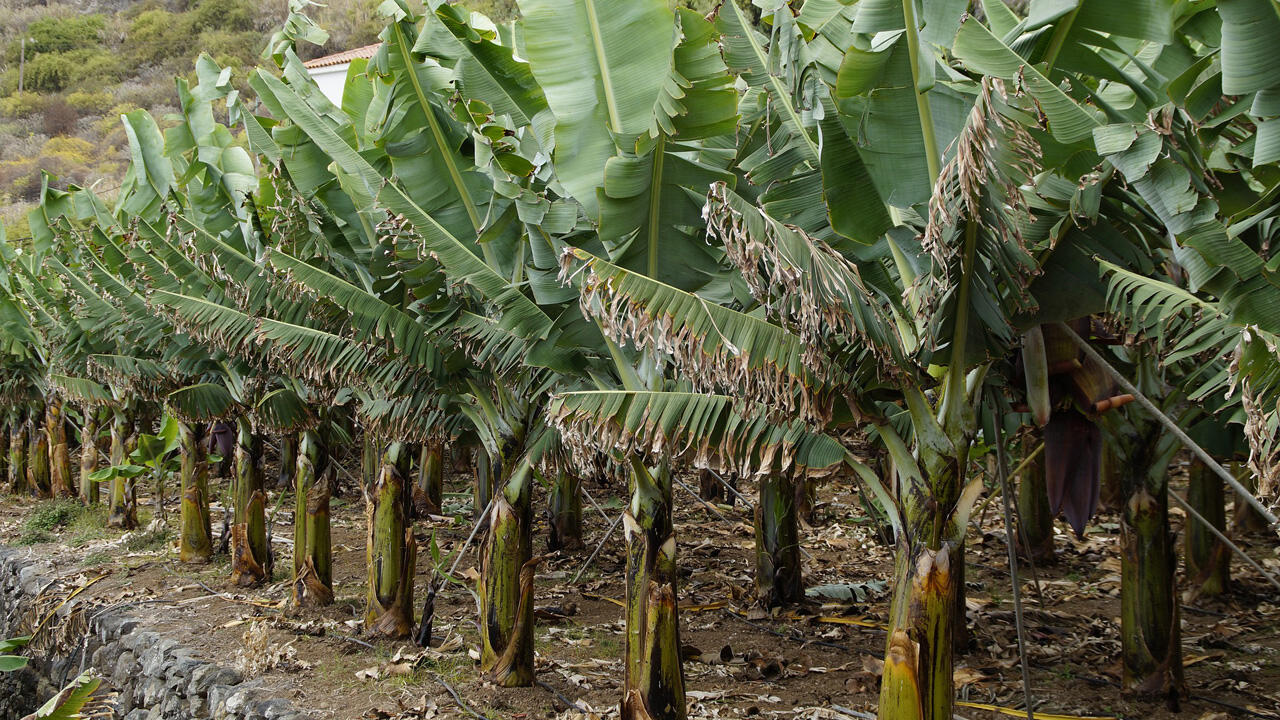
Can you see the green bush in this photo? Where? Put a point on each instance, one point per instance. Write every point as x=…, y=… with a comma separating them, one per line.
x=22, y=104
x=90, y=102
x=59, y=35
x=54, y=72
x=69, y=150
x=96, y=68
x=496, y=10
x=49, y=516
x=157, y=35
x=49, y=72
x=230, y=48
x=229, y=15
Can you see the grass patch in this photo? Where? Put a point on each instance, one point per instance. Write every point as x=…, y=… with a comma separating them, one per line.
x=89, y=525
x=98, y=558
x=454, y=669
x=52, y=516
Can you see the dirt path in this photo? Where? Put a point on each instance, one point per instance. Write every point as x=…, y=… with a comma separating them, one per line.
x=800, y=663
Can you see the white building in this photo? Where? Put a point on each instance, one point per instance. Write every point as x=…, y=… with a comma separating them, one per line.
x=330, y=71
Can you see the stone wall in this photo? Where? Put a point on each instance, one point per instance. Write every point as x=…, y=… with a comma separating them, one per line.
x=155, y=678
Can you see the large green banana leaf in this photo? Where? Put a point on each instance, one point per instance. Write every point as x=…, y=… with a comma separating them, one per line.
x=603, y=65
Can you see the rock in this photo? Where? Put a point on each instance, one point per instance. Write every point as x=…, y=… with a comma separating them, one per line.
x=156, y=678
x=198, y=706
x=30, y=581
x=125, y=701
x=173, y=706
x=269, y=709
x=218, y=695
x=123, y=672
x=208, y=675
x=139, y=641
x=179, y=669
x=152, y=692
x=240, y=700
x=99, y=657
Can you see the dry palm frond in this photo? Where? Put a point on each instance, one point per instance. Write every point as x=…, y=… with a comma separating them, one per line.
x=980, y=191
x=804, y=282
x=713, y=431
x=715, y=348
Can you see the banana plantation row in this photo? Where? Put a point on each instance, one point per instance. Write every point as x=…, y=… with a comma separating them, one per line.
x=616, y=238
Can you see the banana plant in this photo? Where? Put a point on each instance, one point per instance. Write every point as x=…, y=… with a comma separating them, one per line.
x=155, y=454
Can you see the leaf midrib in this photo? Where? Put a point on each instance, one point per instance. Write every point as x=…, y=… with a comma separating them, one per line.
x=782, y=96
x=454, y=173
x=606, y=80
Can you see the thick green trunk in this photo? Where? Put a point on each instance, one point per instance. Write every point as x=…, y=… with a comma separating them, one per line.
x=917, y=681
x=506, y=585
x=1208, y=558
x=778, y=575
x=1150, y=628
x=123, y=508
x=312, y=552
x=18, y=455
x=565, y=532
x=370, y=460
x=1151, y=638
x=63, y=483
x=1035, y=519
x=428, y=491
x=653, y=684
x=482, y=488
x=288, y=461
x=1111, y=480
x=38, y=456
x=250, y=557
x=926, y=614
x=195, y=538
x=391, y=548
x=89, y=493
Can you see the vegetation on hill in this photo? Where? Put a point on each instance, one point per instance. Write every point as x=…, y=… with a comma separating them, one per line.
x=83, y=70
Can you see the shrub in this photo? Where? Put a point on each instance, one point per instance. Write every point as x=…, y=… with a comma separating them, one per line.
x=22, y=104
x=109, y=123
x=231, y=48
x=149, y=94
x=59, y=35
x=90, y=102
x=143, y=541
x=79, y=524
x=20, y=180
x=16, y=225
x=96, y=68
x=69, y=150
x=49, y=72
x=59, y=117
x=53, y=514
x=157, y=35
x=230, y=15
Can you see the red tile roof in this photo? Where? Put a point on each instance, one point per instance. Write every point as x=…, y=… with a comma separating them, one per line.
x=345, y=56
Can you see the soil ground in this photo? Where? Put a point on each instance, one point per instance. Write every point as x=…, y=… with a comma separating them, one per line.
x=812, y=661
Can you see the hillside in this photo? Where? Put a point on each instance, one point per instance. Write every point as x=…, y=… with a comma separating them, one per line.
x=89, y=61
